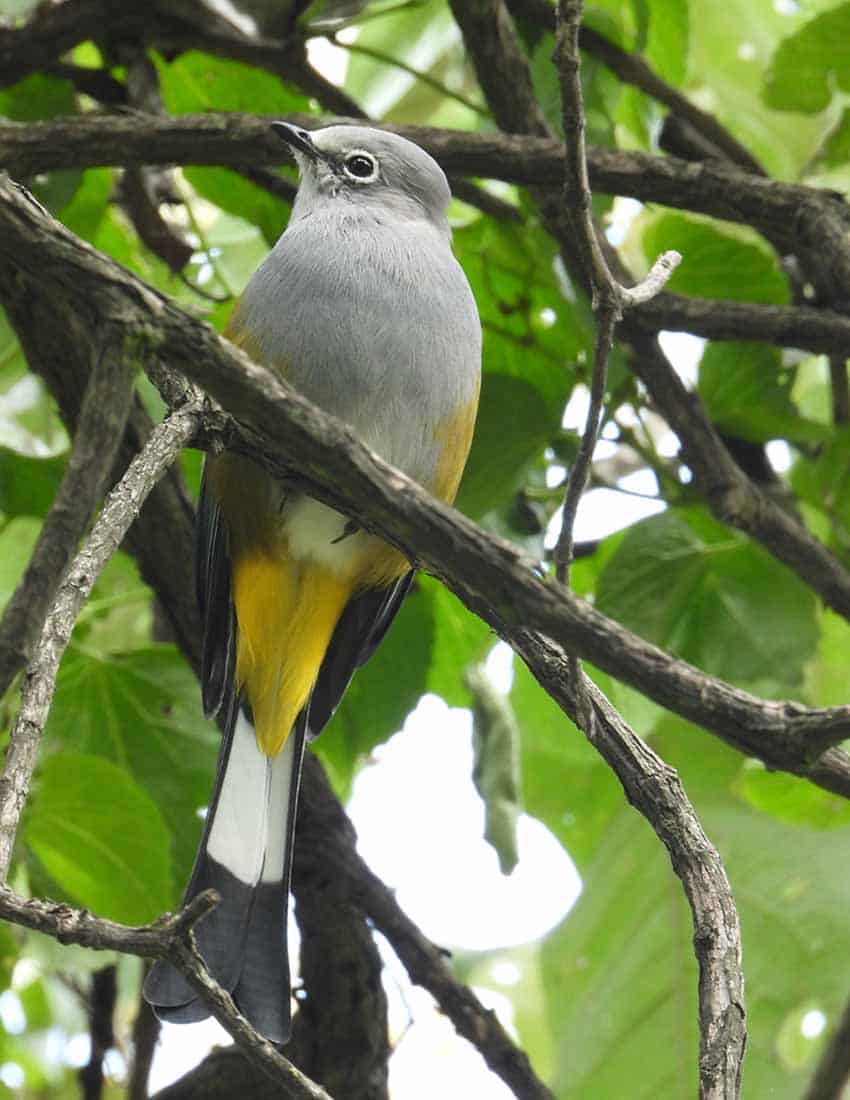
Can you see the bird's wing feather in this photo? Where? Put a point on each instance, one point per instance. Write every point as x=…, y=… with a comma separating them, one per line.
x=359, y=632
x=215, y=600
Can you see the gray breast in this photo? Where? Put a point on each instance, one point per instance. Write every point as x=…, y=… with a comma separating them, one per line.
x=375, y=322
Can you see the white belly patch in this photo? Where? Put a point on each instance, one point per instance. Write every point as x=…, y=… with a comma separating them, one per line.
x=318, y=533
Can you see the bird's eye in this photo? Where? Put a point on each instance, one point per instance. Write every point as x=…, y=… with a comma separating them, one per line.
x=361, y=166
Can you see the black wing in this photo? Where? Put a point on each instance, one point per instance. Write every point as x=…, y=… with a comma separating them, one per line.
x=215, y=600
x=359, y=632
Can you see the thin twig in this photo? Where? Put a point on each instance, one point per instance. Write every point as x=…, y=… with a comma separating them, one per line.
x=423, y=78
x=121, y=508
x=609, y=298
x=170, y=938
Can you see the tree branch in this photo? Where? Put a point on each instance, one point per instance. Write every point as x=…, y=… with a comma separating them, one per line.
x=104, y=413
x=654, y=788
x=792, y=212
x=282, y=431
x=120, y=509
x=170, y=938
x=333, y=847
x=635, y=70
x=809, y=221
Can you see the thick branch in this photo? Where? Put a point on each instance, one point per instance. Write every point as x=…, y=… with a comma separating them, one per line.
x=656, y=791
x=102, y=418
x=793, y=211
x=285, y=432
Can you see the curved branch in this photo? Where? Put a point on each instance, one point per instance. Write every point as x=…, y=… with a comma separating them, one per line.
x=169, y=937
x=104, y=413
x=805, y=218
x=120, y=509
x=284, y=432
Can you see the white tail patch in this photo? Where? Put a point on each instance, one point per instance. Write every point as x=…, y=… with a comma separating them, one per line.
x=249, y=829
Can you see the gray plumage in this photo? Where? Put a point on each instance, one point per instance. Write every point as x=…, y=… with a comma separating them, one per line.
x=364, y=309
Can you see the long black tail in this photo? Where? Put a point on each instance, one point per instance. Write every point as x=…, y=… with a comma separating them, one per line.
x=245, y=855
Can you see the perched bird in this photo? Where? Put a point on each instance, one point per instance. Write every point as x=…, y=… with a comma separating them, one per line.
x=363, y=308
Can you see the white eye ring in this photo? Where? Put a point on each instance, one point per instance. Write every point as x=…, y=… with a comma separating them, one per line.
x=360, y=166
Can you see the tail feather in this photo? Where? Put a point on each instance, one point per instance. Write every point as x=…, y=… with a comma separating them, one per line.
x=246, y=855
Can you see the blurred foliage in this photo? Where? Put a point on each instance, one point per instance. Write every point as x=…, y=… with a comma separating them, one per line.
x=608, y=998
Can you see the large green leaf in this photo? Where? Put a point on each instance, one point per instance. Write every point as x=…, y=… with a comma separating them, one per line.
x=237, y=195
x=619, y=973
x=37, y=96
x=28, y=485
x=823, y=482
x=100, y=837
x=383, y=692
x=419, y=38
x=533, y=336
x=141, y=711
x=668, y=41
x=17, y=540
x=706, y=593
x=719, y=261
x=196, y=81
x=729, y=57
x=808, y=65
x=460, y=639
x=747, y=392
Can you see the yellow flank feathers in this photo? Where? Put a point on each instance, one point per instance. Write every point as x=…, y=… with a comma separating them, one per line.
x=454, y=437
x=287, y=611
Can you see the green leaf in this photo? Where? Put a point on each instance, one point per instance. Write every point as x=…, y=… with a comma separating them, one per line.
x=747, y=393
x=718, y=261
x=791, y=799
x=826, y=673
x=460, y=638
x=239, y=196
x=90, y=204
x=835, y=151
x=704, y=592
x=141, y=712
x=619, y=974
x=823, y=482
x=513, y=427
x=564, y=781
x=495, y=747
x=37, y=96
x=17, y=540
x=100, y=837
x=29, y=422
x=199, y=82
x=28, y=485
x=668, y=43
x=810, y=64
x=419, y=37
x=533, y=334
x=729, y=58
x=383, y=692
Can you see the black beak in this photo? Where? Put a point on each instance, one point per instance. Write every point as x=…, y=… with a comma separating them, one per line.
x=296, y=138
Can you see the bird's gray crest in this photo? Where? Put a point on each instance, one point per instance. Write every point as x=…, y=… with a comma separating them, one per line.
x=404, y=172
